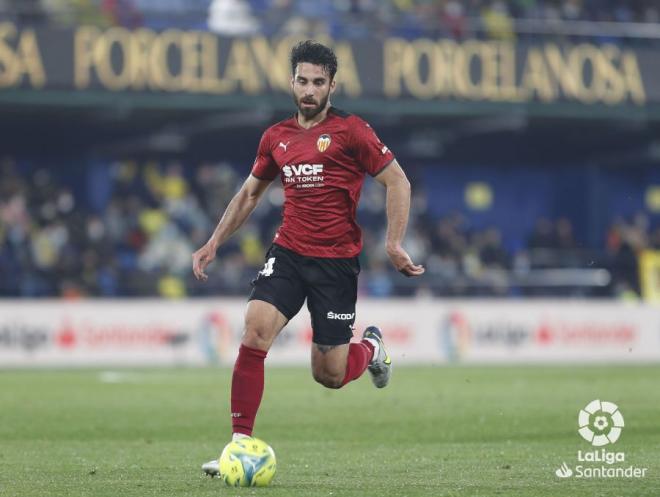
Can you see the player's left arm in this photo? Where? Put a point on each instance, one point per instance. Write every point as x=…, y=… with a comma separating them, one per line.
x=398, y=209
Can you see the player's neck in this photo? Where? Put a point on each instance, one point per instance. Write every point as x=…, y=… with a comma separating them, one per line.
x=309, y=123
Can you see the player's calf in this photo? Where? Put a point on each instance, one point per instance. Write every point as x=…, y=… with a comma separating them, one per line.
x=329, y=380
x=329, y=364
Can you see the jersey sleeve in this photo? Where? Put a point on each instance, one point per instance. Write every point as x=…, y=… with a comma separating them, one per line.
x=264, y=166
x=371, y=153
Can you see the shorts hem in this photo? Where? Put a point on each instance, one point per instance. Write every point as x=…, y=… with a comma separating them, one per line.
x=331, y=341
x=287, y=314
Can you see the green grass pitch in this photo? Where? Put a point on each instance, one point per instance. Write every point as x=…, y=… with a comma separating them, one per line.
x=435, y=431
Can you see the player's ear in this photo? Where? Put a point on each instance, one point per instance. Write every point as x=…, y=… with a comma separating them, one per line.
x=333, y=85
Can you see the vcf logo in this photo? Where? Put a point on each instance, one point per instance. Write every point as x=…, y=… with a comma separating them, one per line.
x=323, y=143
x=302, y=170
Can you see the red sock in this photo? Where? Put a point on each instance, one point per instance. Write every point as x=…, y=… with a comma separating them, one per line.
x=359, y=356
x=247, y=387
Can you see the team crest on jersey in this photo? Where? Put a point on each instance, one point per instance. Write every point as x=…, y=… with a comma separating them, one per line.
x=323, y=143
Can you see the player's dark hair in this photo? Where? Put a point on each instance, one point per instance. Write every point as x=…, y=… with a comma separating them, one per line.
x=314, y=53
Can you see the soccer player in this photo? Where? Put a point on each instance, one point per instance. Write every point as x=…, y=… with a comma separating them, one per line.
x=321, y=154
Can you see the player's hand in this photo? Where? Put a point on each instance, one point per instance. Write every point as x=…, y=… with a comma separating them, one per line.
x=402, y=262
x=201, y=259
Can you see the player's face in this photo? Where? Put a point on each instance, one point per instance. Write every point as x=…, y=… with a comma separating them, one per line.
x=311, y=86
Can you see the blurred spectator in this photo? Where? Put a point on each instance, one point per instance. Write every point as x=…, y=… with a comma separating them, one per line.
x=232, y=18
x=453, y=19
x=348, y=19
x=565, y=240
x=625, y=241
x=121, y=13
x=543, y=236
x=137, y=240
x=497, y=21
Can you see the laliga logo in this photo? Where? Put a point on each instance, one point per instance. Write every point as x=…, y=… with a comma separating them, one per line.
x=600, y=423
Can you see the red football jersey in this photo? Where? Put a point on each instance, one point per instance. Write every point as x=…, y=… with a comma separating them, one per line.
x=322, y=169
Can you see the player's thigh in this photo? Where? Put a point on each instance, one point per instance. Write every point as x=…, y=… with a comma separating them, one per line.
x=331, y=299
x=279, y=282
x=263, y=322
x=278, y=293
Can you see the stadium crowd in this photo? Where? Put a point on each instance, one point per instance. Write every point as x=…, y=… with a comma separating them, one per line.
x=495, y=19
x=129, y=228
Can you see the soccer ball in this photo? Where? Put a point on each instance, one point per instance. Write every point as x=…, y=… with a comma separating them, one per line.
x=247, y=462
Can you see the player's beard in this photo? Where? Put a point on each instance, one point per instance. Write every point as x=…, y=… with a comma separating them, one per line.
x=311, y=112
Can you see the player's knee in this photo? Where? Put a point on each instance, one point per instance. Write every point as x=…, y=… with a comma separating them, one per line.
x=328, y=380
x=256, y=338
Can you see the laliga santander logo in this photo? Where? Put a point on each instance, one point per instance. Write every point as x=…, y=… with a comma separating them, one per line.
x=600, y=423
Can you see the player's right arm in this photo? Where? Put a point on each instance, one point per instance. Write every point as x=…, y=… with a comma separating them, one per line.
x=264, y=170
x=238, y=210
